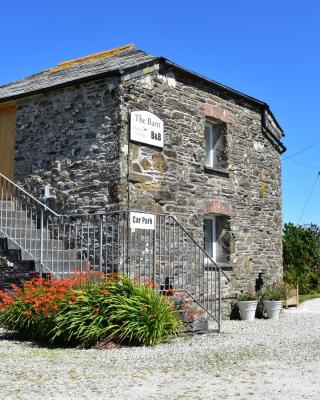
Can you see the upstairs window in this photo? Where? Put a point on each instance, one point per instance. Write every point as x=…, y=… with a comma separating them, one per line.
x=215, y=142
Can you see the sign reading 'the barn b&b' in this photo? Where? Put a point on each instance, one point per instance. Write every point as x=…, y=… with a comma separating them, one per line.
x=146, y=127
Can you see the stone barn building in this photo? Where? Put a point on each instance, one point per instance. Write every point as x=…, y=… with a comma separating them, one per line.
x=117, y=143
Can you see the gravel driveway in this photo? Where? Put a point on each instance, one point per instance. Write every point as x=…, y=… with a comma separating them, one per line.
x=262, y=359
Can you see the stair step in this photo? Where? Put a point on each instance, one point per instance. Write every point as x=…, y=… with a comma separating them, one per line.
x=3, y=244
x=12, y=214
x=24, y=232
x=52, y=249
x=25, y=265
x=7, y=205
x=12, y=255
x=34, y=243
x=8, y=223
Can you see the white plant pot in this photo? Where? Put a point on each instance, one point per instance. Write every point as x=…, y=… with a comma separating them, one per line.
x=273, y=308
x=247, y=309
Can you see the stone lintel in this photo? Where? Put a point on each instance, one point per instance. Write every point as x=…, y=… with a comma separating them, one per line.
x=211, y=111
x=217, y=207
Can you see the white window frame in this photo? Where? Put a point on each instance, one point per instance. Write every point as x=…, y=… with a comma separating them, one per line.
x=210, y=155
x=215, y=128
x=213, y=246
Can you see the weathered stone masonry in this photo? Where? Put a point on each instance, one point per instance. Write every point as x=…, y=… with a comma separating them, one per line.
x=76, y=137
x=175, y=180
x=69, y=138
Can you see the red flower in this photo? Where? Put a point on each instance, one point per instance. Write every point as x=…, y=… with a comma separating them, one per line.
x=27, y=313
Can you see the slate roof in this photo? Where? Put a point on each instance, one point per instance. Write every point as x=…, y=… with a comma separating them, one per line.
x=100, y=63
x=106, y=63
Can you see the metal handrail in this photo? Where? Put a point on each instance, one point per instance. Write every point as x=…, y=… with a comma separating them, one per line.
x=103, y=240
x=102, y=213
x=201, y=248
x=28, y=194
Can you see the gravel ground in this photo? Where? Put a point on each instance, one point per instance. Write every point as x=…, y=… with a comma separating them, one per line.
x=261, y=359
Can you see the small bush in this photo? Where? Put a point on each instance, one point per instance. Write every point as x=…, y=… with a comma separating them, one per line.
x=301, y=256
x=247, y=297
x=274, y=291
x=88, y=308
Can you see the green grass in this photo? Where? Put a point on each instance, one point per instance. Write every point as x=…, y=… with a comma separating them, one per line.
x=309, y=296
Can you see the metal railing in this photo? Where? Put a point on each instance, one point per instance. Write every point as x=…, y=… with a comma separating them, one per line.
x=167, y=257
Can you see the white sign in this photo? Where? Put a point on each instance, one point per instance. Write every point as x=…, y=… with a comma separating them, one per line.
x=142, y=221
x=146, y=128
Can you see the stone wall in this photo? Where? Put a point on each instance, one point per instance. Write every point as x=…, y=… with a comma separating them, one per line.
x=76, y=139
x=68, y=138
x=174, y=180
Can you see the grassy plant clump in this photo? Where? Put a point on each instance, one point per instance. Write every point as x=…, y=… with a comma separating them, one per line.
x=88, y=308
x=144, y=317
x=247, y=297
x=274, y=292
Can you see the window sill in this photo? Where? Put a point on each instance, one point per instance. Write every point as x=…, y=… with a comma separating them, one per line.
x=216, y=171
x=224, y=267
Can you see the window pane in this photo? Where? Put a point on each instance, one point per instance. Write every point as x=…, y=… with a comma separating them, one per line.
x=219, y=150
x=208, y=237
x=209, y=150
x=215, y=146
x=223, y=237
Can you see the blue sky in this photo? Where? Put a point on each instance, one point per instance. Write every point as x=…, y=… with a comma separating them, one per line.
x=269, y=50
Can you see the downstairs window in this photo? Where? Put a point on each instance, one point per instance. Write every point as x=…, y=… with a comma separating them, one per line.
x=217, y=238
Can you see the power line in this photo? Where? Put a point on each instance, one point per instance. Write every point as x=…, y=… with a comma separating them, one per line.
x=302, y=150
x=309, y=197
x=304, y=165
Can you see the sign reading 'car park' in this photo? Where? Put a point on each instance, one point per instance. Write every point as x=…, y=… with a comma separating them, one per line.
x=147, y=128
x=142, y=221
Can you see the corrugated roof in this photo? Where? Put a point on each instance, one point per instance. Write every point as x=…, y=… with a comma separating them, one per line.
x=99, y=63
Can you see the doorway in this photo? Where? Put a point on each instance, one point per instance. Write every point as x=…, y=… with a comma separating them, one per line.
x=7, y=141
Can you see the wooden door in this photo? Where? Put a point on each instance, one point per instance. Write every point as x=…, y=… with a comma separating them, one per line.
x=7, y=141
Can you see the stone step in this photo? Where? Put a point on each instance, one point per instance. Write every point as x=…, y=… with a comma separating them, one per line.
x=25, y=265
x=11, y=214
x=64, y=271
x=55, y=255
x=7, y=205
x=16, y=233
x=3, y=244
x=52, y=249
x=12, y=255
x=194, y=317
x=17, y=223
x=33, y=243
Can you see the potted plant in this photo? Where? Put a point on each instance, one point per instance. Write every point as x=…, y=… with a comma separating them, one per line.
x=247, y=303
x=273, y=296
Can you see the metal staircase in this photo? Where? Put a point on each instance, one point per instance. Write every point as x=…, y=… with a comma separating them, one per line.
x=167, y=257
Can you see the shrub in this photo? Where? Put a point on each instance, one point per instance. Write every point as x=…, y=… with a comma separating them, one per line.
x=301, y=256
x=274, y=291
x=31, y=311
x=119, y=310
x=247, y=297
x=87, y=308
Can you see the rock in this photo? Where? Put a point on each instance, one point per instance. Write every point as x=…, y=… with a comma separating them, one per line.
x=159, y=162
